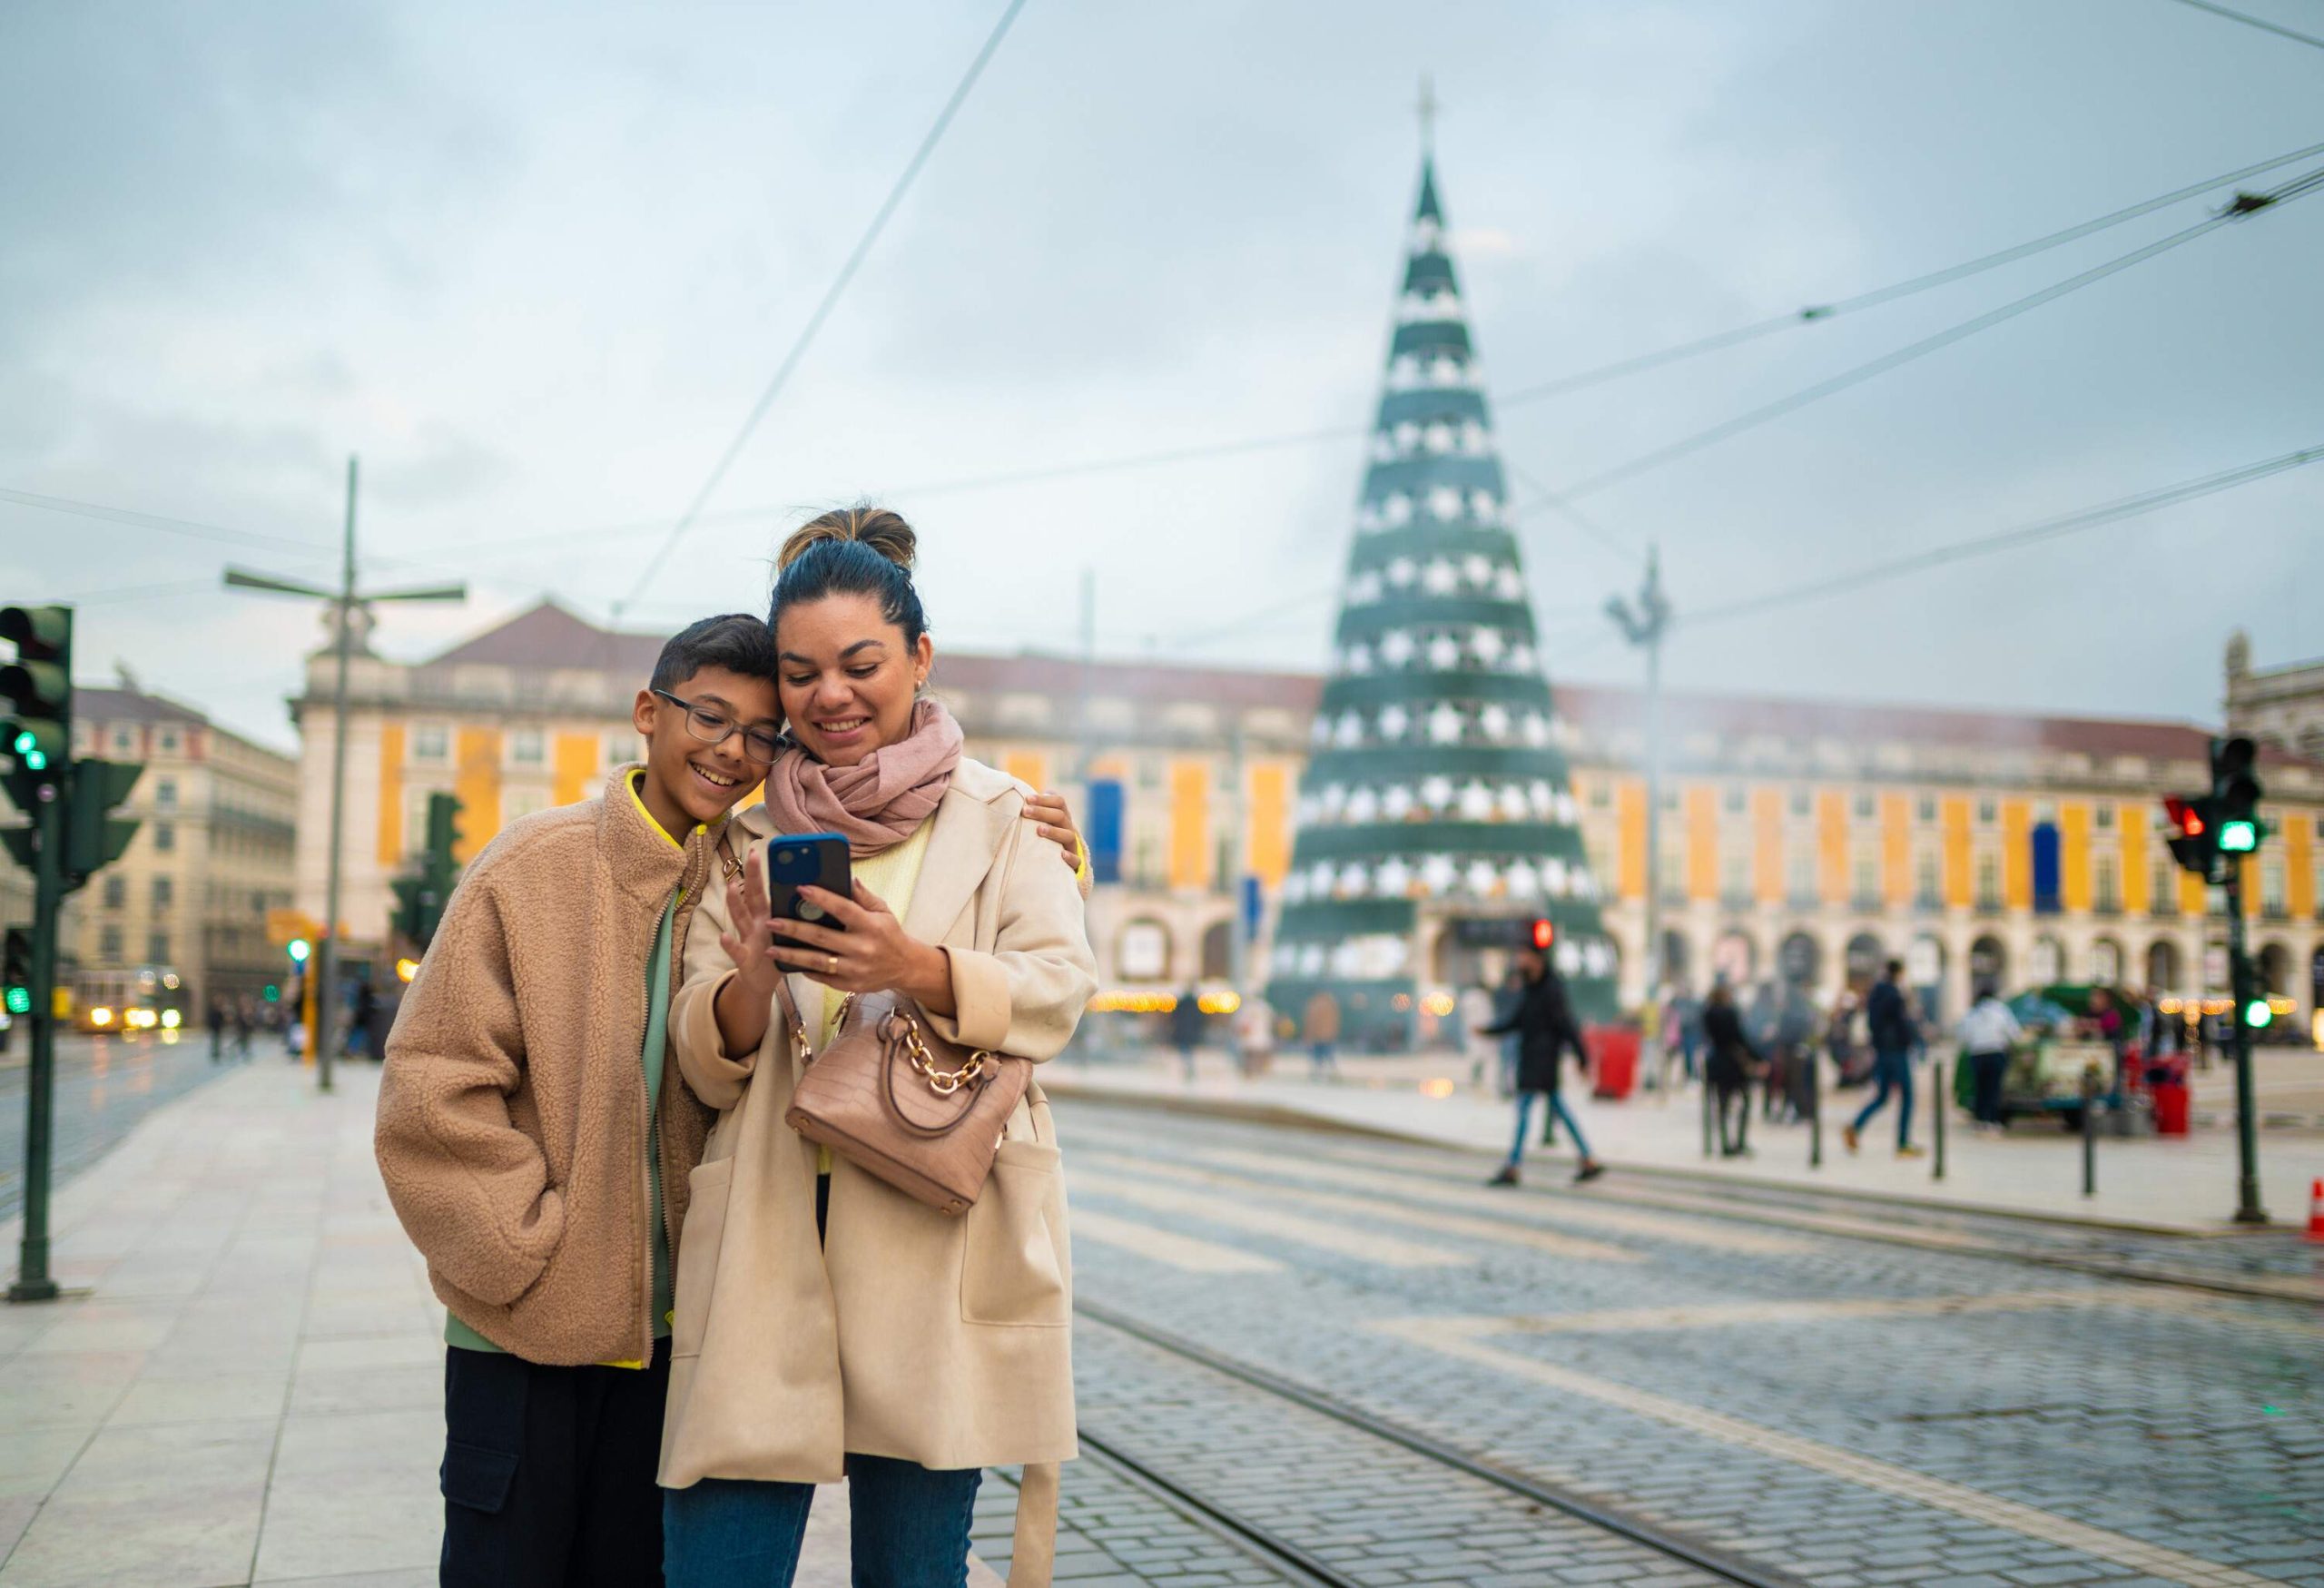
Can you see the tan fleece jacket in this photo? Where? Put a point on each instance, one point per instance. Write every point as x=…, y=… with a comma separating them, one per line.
x=512, y=1121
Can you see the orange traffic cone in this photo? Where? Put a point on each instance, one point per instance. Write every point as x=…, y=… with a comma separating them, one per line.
x=2315, y=1212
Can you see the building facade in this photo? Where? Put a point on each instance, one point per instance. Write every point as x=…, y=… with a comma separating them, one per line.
x=211, y=856
x=2282, y=707
x=1804, y=839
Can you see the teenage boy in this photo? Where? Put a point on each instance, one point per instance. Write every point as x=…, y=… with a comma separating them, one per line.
x=537, y=1150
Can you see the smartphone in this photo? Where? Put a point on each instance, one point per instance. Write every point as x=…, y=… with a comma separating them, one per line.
x=813, y=860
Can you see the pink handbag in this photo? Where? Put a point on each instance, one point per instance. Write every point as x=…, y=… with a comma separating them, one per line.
x=899, y=1102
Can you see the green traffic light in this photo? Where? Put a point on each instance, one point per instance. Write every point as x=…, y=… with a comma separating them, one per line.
x=2257, y=1014
x=298, y=949
x=34, y=760
x=23, y=741
x=20, y=1000
x=2239, y=837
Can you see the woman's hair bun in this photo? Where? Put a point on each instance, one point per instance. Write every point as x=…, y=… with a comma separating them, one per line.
x=880, y=530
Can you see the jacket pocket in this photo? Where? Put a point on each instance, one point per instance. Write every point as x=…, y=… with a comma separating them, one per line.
x=1016, y=1267
x=699, y=1245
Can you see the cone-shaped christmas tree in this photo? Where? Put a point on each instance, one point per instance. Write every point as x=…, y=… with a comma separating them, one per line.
x=1435, y=794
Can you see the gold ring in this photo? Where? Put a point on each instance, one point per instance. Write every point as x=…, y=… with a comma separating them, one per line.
x=831, y=964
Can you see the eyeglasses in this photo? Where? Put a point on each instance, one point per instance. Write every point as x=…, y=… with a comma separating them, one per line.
x=713, y=726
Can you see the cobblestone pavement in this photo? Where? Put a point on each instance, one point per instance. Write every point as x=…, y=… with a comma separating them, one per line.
x=1828, y=1407
x=104, y=1085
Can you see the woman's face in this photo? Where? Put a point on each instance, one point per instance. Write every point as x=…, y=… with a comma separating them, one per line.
x=848, y=679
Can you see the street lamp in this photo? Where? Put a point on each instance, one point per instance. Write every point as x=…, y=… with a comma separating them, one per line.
x=344, y=601
x=1644, y=627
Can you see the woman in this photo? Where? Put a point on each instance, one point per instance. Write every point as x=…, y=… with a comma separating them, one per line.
x=826, y=1321
x=1544, y=1025
x=1732, y=1061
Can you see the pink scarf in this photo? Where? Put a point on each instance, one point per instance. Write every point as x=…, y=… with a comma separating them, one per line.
x=879, y=801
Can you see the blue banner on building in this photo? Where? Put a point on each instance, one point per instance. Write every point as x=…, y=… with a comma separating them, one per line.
x=1105, y=829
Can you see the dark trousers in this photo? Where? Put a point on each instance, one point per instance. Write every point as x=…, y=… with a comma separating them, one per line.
x=548, y=1473
x=1892, y=1072
x=1985, y=1071
x=1734, y=1097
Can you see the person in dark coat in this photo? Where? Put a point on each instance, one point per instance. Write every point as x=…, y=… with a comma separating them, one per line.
x=1544, y=1027
x=1888, y=1020
x=1187, y=1023
x=1732, y=1061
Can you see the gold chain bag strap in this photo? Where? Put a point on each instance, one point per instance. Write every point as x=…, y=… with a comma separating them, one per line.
x=899, y=1102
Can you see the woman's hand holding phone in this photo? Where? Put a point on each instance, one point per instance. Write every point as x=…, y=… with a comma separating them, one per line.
x=868, y=950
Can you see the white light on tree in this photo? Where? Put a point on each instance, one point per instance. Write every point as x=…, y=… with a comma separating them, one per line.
x=1436, y=791
x=1523, y=882
x=1438, y=873
x=1444, y=503
x=1440, y=578
x=1494, y=721
x=1398, y=803
x=1476, y=801
x=1396, y=647
x=1482, y=879
x=1393, y=721
x=1443, y=653
x=1444, y=723
x=1395, y=878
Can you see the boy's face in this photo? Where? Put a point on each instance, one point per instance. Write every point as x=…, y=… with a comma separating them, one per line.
x=706, y=781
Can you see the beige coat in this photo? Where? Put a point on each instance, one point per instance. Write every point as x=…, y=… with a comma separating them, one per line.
x=940, y=1340
x=511, y=1128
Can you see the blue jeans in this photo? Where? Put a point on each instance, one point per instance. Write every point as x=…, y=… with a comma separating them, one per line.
x=1892, y=1072
x=1525, y=1117
x=908, y=1528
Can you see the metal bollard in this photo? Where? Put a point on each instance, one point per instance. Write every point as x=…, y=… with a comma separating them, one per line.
x=1814, y=1112
x=2089, y=1130
x=1938, y=1098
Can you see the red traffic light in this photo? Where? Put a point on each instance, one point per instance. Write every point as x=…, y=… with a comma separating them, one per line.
x=2184, y=815
x=1544, y=933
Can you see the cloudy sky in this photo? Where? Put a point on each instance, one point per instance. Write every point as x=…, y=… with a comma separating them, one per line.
x=535, y=264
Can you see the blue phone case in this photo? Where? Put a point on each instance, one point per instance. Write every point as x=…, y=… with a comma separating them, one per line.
x=817, y=860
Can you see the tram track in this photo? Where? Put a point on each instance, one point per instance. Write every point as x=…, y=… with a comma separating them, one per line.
x=1810, y=1210
x=1305, y=1566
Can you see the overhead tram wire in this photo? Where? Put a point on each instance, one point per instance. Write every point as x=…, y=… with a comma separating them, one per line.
x=1815, y=314
x=830, y=299
x=2091, y=518
x=2244, y=205
x=1606, y=539
x=2250, y=21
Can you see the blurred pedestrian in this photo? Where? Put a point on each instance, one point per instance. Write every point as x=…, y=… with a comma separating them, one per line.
x=1253, y=1036
x=1505, y=999
x=245, y=1016
x=1839, y=1033
x=363, y=1014
x=2106, y=1019
x=1187, y=1024
x=1475, y=1010
x=214, y=1018
x=1987, y=1032
x=1545, y=1028
x=1319, y=1026
x=1888, y=1019
x=1730, y=1060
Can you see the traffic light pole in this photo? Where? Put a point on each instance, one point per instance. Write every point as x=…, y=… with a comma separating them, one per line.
x=33, y=1280
x=2239, y=980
